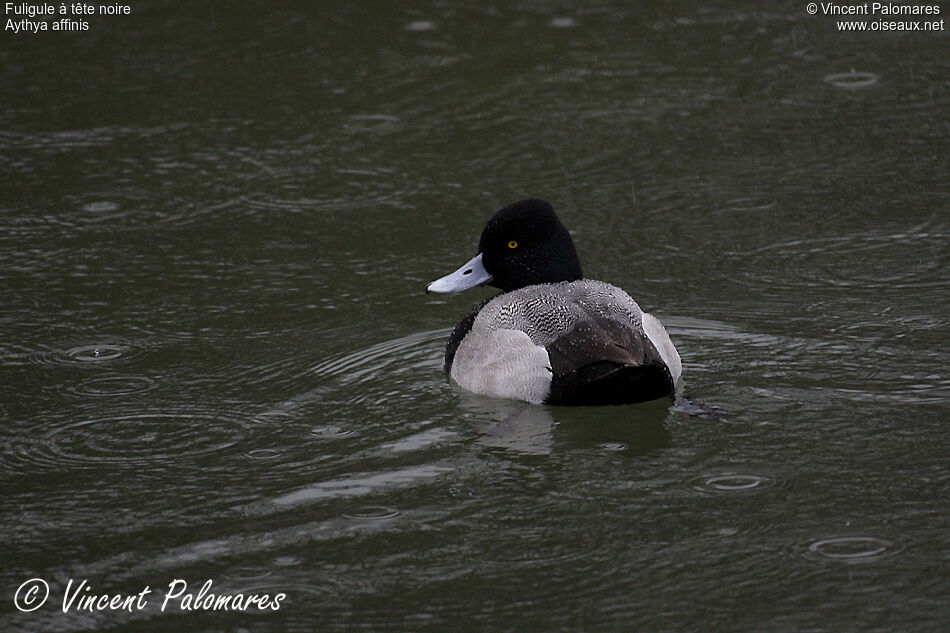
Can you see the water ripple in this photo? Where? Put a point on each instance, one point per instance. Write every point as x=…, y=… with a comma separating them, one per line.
x=120, y=210
x=850, y=549
x=88, y=354
x=399, y=354
x=265, y=453
x=852, y=79
x=373, y=513
x=330, y=431
x=731, y=483
x=108, y=386
x=910, y=260
x=133, y=440
x=301, y=188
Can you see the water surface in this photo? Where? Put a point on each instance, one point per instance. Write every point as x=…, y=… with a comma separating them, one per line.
x=218, y=362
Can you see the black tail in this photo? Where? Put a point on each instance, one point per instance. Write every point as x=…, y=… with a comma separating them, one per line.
x=609, y=383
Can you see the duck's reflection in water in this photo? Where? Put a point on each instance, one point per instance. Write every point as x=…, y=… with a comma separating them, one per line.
x=512, y=425
x=530, y=429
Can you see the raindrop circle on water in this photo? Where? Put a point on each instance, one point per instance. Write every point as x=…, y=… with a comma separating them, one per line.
x=105, y=386
x=849, y=547
x=128, y=209
x=329, y=431
x=852, y=79
x=373, y=513
x=86, y=355
x=96, y=353
x=134, y=440
x=264, y=453
x=732, y=483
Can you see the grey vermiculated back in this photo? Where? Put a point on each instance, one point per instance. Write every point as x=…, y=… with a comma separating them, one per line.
x=546, y=312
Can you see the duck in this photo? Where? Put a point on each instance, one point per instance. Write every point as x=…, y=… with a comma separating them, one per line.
x=551, y=336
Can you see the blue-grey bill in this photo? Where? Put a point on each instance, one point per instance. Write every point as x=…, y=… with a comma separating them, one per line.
x=472, y=274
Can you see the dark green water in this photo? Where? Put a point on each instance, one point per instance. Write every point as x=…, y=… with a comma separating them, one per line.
x=217, y=360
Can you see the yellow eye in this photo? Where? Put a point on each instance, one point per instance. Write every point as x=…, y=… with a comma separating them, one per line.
x=512, y=244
